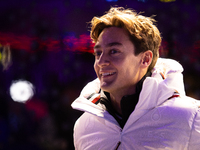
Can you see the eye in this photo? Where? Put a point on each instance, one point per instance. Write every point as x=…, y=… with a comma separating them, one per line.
x=97, y=53
x=114, y=51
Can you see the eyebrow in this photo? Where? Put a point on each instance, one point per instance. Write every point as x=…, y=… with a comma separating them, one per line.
x=109, y=45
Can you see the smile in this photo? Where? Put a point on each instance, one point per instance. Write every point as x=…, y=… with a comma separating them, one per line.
x=107, y=74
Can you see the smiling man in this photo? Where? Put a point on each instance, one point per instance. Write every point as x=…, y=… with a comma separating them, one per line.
x=113, y=56
x=138, y=100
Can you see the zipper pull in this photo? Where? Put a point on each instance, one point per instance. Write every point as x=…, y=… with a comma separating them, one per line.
x=118, y=144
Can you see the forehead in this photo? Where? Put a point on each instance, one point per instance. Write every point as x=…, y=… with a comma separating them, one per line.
x=112, y=35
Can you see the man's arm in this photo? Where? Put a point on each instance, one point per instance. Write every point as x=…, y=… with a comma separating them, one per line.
x=194, y=143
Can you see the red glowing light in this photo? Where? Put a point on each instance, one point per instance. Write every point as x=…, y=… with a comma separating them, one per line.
x=69, y=43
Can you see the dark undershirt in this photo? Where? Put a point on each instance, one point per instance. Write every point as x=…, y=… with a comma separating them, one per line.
x=128, y=103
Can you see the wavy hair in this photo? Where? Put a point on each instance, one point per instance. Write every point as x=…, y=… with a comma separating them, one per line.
x=142, y=31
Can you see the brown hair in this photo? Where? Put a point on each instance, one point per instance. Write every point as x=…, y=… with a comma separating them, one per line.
x=142, y=31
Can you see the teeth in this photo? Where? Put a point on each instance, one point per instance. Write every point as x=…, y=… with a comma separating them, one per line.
x=106, y=74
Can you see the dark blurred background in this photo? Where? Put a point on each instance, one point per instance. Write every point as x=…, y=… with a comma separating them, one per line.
x=50, y=47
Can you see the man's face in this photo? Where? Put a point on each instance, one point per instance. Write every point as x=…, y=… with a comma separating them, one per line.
x=116, y=66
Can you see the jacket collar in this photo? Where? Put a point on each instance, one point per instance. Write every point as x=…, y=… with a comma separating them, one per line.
x=152, y=95
x=155, y=90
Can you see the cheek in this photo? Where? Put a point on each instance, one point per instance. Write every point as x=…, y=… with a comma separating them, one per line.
x=127, y=68
x=96, y=68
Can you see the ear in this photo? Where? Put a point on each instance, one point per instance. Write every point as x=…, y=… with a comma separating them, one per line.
x=147, y=58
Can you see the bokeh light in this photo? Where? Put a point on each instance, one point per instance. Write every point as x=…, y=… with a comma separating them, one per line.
x=21, y=91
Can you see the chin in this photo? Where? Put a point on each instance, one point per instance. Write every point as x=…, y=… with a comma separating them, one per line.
x=106, y=88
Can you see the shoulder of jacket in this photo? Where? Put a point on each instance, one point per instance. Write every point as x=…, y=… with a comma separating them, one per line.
x=189, y=103
x=92, y=87
x=166, y=66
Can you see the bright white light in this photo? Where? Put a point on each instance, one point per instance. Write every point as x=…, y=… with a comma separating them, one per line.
x=21, y=91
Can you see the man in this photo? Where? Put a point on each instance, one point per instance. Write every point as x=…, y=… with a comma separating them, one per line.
x=138, y=101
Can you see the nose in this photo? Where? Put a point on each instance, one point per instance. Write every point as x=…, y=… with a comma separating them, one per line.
x=103, y=60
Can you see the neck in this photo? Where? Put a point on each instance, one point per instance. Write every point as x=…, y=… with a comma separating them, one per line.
x=117, y=96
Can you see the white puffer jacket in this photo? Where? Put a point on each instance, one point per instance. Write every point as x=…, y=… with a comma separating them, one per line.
x=161, y=119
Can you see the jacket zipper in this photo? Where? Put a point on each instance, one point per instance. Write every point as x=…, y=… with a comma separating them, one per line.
x=118, y=144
